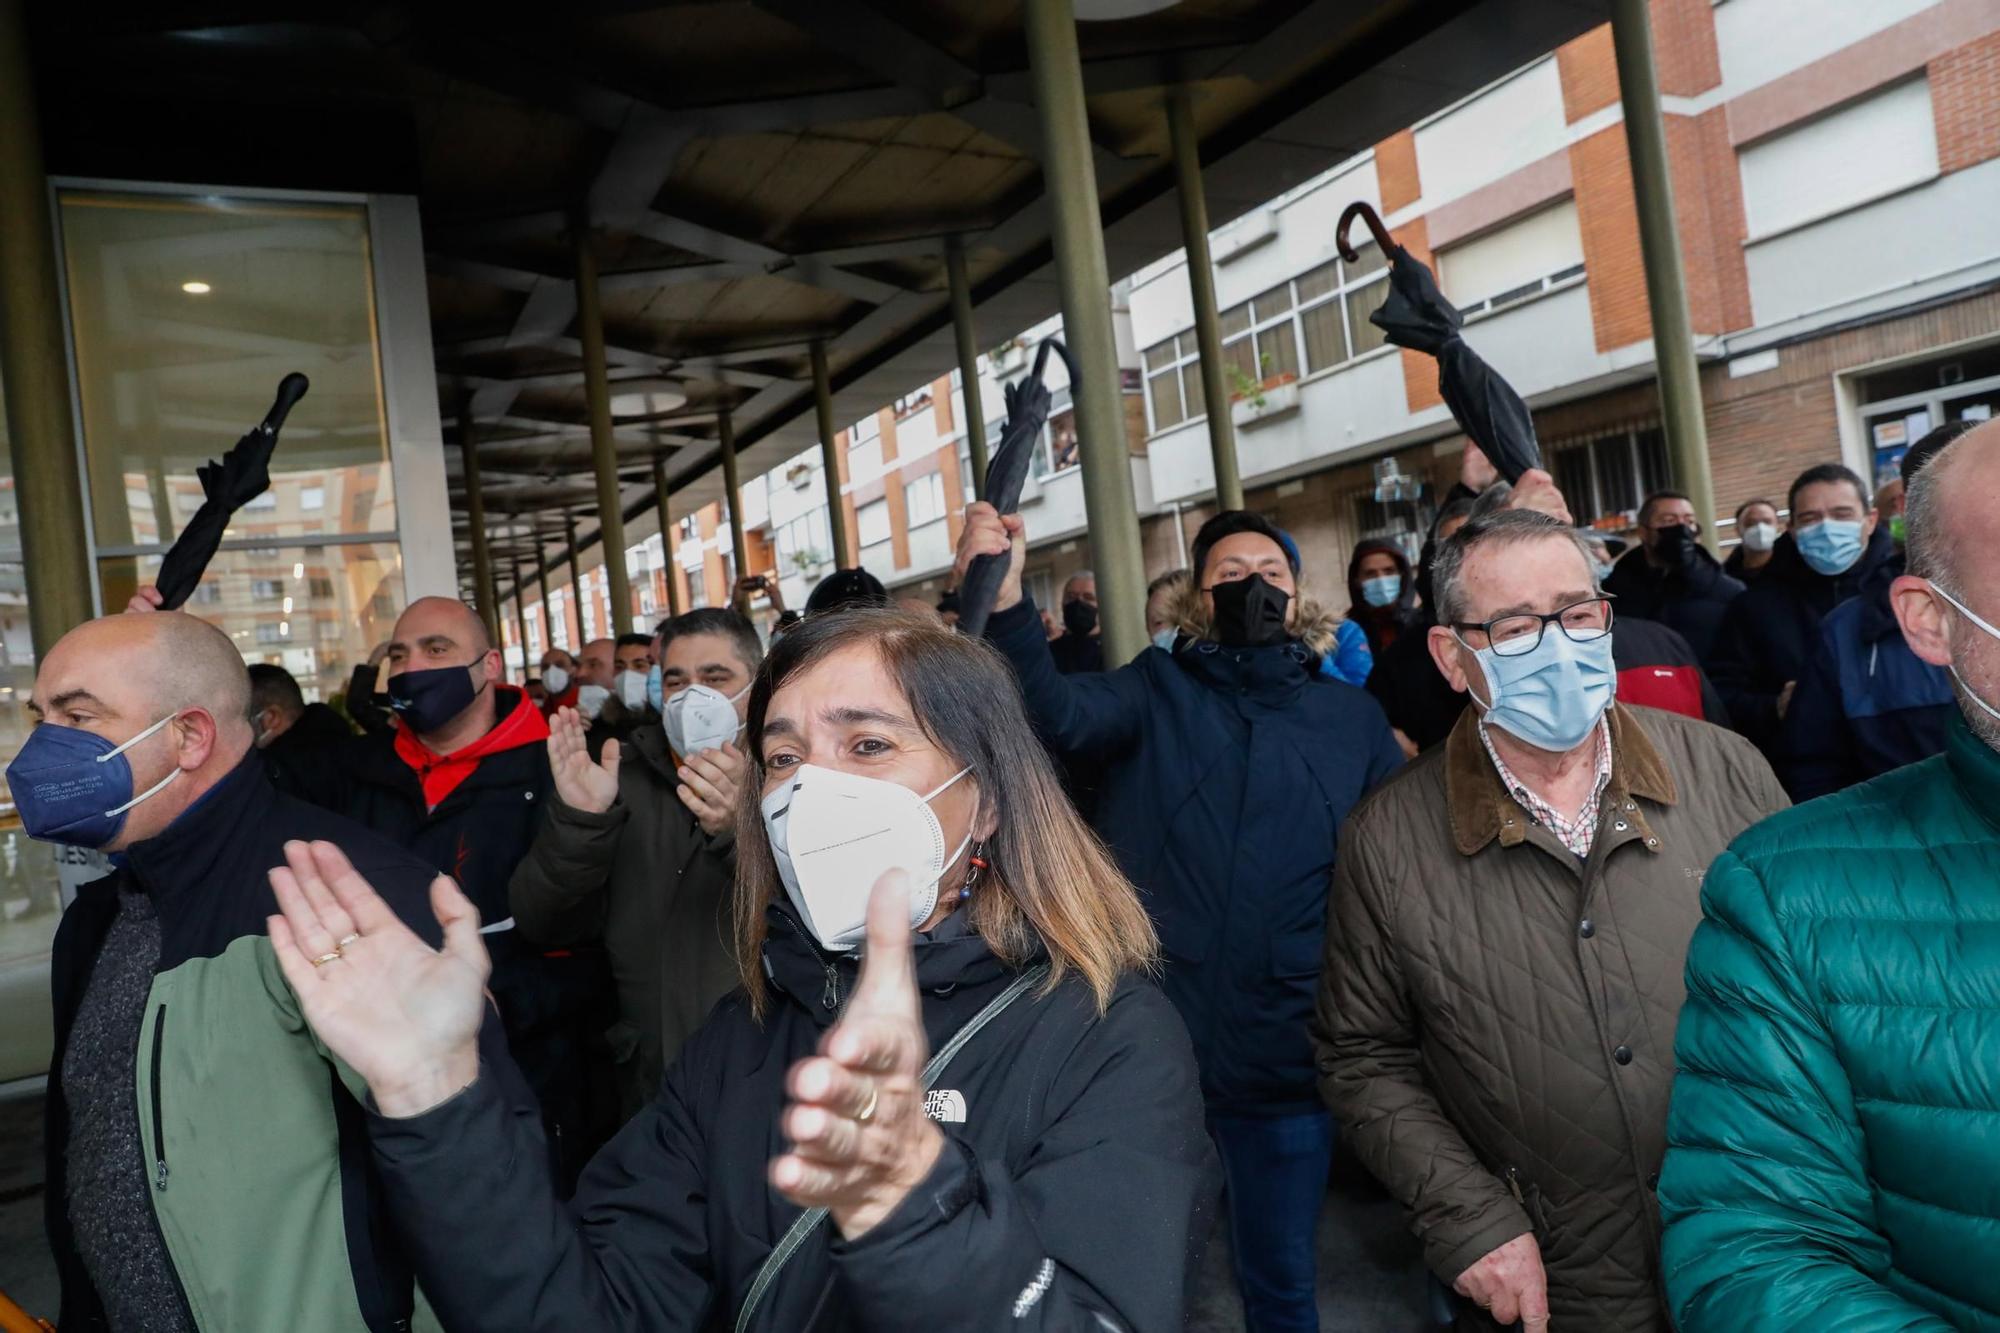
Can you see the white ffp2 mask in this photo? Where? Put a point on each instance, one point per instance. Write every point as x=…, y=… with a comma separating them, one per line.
x=631, y=688
x=834, y=834
x=590, y=700
x=555, y=680
x=700, y=718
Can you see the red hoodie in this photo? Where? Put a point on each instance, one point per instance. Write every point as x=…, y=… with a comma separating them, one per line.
x=440, y=774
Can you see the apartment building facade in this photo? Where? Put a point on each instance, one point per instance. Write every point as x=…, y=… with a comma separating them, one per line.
x=1836, y=169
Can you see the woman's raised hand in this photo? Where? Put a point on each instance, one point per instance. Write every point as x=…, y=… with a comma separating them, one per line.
x=403, y=1015
x=860, y=1138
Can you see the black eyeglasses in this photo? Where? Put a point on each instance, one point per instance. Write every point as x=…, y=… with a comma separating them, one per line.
x=1520, y=634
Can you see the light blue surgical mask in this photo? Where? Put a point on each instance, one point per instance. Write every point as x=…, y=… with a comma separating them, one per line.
x=1602, y=571
x=655, y=691
x=1830, y=546
x=1166, y=638
x=1553, y=696
x=1382, y=590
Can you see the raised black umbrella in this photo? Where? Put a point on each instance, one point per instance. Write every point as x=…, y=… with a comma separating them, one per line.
x=1028, y=403
x=1418, y=317
x=243, y=474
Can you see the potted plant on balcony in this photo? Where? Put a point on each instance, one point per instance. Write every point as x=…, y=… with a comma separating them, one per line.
x=1254, y=401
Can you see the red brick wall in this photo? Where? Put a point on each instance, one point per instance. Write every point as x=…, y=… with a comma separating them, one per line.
x=1965, y=99
x=1589, y=73
x=1708, y=207
x=1684, y=50
x=1396, y=171
x=1609, y=221
x=1420, y=371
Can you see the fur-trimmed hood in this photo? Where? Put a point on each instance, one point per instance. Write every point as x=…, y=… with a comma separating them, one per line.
x=1311, y=623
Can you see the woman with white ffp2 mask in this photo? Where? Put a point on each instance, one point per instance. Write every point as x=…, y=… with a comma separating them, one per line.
x=1001, y=1082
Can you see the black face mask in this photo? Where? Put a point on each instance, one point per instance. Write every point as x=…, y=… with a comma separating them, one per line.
x=1079, y=618
x=1249, y=613
x=429, y=700
x=1673, y=545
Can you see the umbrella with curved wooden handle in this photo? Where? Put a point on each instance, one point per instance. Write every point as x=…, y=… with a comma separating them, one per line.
x=13, y=1319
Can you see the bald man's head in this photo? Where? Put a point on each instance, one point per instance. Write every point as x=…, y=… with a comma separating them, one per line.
x=119, y=675
x=1947, y=603
x=595, y=665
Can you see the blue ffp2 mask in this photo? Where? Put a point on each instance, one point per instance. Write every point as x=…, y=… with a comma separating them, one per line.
x=74, y=786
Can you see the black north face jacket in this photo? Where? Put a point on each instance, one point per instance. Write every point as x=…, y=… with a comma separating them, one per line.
x=1075, y=1186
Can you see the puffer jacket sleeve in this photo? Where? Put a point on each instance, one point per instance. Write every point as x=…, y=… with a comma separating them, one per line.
x=557, y=892
x=1818, y=753
x=494, y=1249
x=1351, y=661
x=1365, y=1038
x=1057, y=1243
x=1089, y=713
x=1765, y=1195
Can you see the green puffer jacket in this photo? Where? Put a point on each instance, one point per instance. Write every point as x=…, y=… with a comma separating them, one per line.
x=1834, y=1157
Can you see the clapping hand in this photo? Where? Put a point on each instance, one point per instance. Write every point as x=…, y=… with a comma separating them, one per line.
x=710, y=783
x=860, y=1138
x=403, y=1015
x=582, y=783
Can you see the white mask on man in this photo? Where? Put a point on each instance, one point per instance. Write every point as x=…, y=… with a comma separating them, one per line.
x=631, y=687
x=555, y=680
x=1984, y=628
x=590, y=699
x=834, y=834
x=1760, y=536
x=699, y=718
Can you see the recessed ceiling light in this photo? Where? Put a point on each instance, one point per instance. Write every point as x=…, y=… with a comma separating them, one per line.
x=195, y=288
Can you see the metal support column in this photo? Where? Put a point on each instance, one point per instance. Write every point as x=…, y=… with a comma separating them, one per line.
x=1659, y=243
x=667, y=552
x=521, y=621
x=733, y=483
x=485, y=592
x=836, y=517
x=1201, y=282
x=33, y=368
x=542, y=583
x=1069, y=179
x=575, y=581
x=603, y=447
x=968, y=358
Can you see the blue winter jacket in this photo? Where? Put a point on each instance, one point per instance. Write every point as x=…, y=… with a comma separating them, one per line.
x=1867, y=704
x=1227, y=775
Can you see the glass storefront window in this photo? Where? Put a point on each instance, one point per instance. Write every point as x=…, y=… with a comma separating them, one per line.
x=314, y=610
x=186, y=311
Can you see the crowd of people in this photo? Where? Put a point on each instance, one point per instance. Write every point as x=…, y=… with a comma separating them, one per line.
x=878, y=977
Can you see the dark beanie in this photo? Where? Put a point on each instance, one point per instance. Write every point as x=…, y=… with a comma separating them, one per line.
x=1230, y=522
x=847, y=587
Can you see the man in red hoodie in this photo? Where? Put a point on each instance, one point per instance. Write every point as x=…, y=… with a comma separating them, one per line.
x=462, y=782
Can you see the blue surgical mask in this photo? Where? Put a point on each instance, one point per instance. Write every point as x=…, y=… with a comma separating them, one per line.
x=1382, y=590
x=1830, y=546
x=1553, y=696
x=73, y=786
x=655, y=690
x=1601, y=571
x=1167, y=638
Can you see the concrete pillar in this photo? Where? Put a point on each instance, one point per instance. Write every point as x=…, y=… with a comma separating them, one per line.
x=1201, y=282
x=968, y=358
x=34, y=371
x=836, y=515
x=1070, y=181
x=1666, y=280
x=732, y=483
x=603, y=447
x=485, y=593
x=660, y=497
x=521, y=621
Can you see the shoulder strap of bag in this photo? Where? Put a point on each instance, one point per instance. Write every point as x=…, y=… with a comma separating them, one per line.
x=810, y=1220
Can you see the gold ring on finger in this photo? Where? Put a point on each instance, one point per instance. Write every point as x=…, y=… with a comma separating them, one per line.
x=868, y=1111
x=345, y=942
x=326, y=958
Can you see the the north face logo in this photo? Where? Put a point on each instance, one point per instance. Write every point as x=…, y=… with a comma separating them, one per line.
x=945, y=1105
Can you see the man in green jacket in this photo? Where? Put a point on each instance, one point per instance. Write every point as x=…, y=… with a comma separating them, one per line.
x=1834, y=1141
x=639, y=847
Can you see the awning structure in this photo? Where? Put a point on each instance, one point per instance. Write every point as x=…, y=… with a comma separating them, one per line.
x=757, y=177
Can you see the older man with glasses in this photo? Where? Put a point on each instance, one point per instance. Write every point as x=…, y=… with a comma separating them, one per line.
x=1503, y=963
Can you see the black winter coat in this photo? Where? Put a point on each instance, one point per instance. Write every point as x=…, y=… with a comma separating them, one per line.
x=310, y=744
x=1075, y=1185
x=1692, y=600
x=1773, y=635
x=1227, y=776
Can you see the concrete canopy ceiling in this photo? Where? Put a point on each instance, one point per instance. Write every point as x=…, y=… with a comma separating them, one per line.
x=756, y=175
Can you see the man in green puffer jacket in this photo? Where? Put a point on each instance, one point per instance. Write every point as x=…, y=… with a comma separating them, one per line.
x=1834, y=1157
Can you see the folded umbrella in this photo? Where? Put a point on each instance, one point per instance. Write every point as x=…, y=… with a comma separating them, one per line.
x=1417, y=316
x=243, y=474
x=1028, y=403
